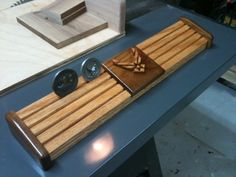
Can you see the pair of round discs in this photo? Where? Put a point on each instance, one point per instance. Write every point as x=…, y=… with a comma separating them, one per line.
x=66, y=81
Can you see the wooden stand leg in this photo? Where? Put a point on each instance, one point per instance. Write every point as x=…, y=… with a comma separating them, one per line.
x=144, y=162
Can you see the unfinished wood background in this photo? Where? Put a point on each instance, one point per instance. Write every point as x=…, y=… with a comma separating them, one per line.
x=58, y=123
x=115, y=18
x=16, y=40
x=59, y=11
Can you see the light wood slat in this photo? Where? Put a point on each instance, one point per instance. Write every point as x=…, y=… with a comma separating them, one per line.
x=59, y=104
x=167, y=56
x=75, y=133
x=199, y=30
x=80, y=114
x=66, y=111
x=172, y=44
x=186, y=54
x=43, y=102
x=165, y=40
x=160, y=35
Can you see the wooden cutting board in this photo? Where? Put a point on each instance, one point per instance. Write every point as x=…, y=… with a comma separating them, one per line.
x=52, y=125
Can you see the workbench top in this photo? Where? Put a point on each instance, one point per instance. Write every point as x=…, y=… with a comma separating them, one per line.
x=135, y=125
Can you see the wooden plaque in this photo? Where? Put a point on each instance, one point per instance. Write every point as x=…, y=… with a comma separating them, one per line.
x=50, y=126
x=134, y=69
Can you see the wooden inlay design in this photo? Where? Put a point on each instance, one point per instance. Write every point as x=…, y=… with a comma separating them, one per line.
x=50, y=126
x=133, y=69
x=136, y=65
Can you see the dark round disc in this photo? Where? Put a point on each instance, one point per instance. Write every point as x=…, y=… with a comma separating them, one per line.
x=91, y=69
x=65, y=82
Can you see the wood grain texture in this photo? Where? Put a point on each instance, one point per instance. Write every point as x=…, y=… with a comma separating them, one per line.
x=76, y=116
x=61, y=103
x=148, y=42
x=74, y=134
x=29, y=141
x=160, y=43
x=43, y=102
x=112, y=11
x=160, y=51
x=199, y=30
x=77, y=104
x=60, y=10
x=168, y=55
x=62, y=35
x=79, y=114
x=185, y=55
x=50, y=23
x=73, y=16
x=131, y=80
x=17, y=40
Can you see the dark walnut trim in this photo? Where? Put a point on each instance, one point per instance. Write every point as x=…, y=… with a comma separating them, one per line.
x=28, y=141
x=199, y=30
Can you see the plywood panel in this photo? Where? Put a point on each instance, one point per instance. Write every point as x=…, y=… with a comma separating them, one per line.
x=60, y=10
x=16, y=40
x=62, y=35
x=112, y=11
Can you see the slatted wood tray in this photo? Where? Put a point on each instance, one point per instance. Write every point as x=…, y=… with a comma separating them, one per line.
x=50, y=126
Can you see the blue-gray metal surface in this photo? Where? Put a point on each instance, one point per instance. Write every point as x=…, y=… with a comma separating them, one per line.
x=145, y=160
x=136, y=124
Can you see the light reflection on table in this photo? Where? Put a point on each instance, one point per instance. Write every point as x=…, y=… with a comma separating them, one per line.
x=100, y=149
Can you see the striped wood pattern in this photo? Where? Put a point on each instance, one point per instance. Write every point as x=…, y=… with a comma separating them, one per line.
x=60, y=123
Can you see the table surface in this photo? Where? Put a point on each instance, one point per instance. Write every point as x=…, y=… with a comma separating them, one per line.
x=136, y=124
